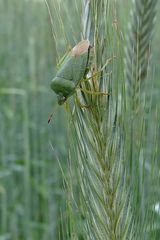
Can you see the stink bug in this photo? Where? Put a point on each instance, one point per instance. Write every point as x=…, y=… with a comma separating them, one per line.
x=72, y=71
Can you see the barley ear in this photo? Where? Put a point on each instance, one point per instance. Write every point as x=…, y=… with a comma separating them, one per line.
x=138, y=48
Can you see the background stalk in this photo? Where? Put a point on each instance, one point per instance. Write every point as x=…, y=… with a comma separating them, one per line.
x=136, y=124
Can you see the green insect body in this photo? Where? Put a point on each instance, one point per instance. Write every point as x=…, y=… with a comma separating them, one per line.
x=71, y=72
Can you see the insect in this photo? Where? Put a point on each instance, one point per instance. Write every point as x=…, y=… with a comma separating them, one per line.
x=72, y=71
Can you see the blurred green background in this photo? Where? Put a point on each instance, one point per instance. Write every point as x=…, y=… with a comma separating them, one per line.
x=31, y=183
x=31, y=191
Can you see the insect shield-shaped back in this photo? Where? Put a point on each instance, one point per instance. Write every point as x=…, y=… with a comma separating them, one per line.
x=71, y=72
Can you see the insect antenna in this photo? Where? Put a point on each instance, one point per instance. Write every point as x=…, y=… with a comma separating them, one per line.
x=51, y=114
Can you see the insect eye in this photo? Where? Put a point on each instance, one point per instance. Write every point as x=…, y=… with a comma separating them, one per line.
x=61, y=99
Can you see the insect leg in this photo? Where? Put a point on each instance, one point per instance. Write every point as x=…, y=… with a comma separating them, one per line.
x=81, y=104
x=93, y=92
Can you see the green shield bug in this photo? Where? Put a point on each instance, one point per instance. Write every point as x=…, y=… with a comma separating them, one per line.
x=72, y=71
